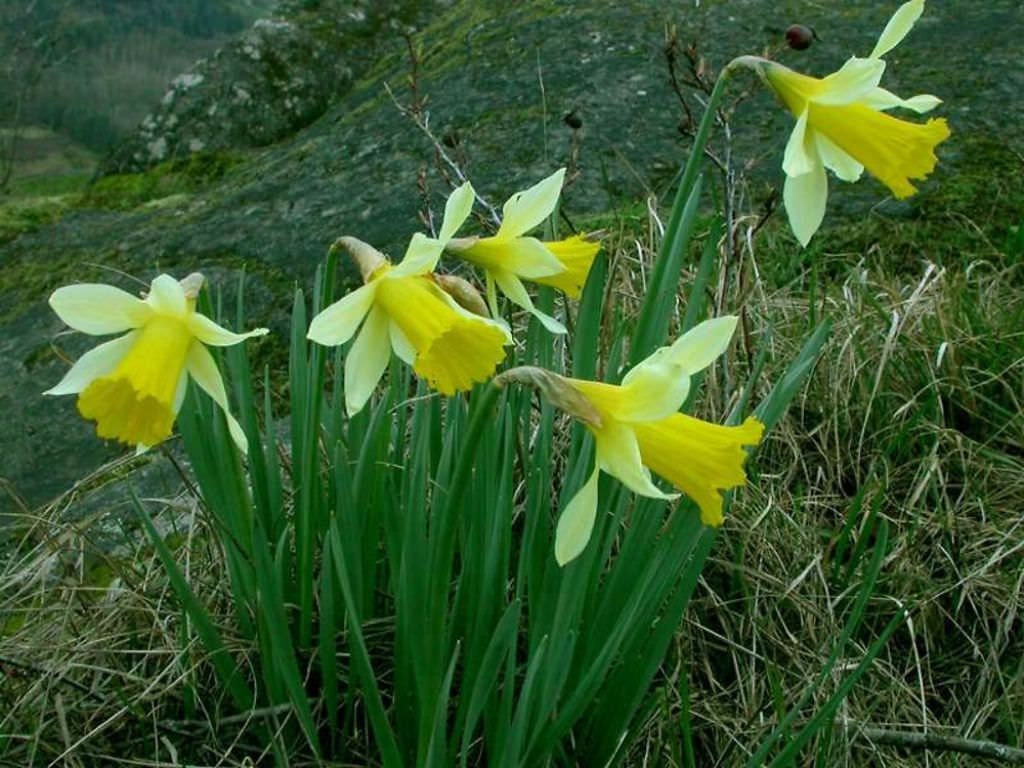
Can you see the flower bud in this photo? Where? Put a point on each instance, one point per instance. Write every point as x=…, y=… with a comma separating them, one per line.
x=192, y=285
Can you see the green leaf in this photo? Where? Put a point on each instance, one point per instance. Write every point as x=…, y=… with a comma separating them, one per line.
x=224, y=665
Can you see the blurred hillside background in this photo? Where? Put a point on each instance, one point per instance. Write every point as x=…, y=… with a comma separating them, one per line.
x=79, y=75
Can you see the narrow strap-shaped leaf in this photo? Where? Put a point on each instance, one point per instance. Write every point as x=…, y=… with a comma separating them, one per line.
x=705, y=269
x=785, y=389
x=334, y=555
x=483, y=684
x=224, y=665
x=658, y=305
x=275, y=624
x=437, y=748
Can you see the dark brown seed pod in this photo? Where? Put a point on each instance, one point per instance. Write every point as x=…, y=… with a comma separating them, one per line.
x=799, y=37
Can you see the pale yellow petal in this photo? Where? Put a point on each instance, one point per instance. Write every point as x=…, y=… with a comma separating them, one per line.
x=98, y=361
x=653, y=389
x=420, y=257
x=696, y=349
x=836, y=160
x=805, y=198
x=180, y=391
x=202, y=368
x=658, y=385
x=801, y=155
x=898, y=27
x=525, y=210
x=99, y=309
x=208, y=332
x=167, y=297
x=456, y=210
x=576, y=523
x=618, y=454
x=401, y=345
x=338, y=323
x=850, y=83
x=513, y=287
x=882, y=99
x=367, y=360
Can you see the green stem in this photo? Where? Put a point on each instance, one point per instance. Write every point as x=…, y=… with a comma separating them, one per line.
x=653, y=319
x=696, y=159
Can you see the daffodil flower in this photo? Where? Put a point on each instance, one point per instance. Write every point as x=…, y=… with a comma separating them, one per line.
x=134, y=385
x=509, y=256
x=637, y=429
x=841, y=125
x=403, y=308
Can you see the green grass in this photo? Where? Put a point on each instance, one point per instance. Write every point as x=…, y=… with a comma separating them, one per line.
x=58, y=181
x=27, y=214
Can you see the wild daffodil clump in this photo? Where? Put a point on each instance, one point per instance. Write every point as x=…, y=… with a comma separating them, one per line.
x=403, y=591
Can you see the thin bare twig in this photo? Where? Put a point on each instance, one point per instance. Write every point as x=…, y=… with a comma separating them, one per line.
x=919, y=740
x=420, y=117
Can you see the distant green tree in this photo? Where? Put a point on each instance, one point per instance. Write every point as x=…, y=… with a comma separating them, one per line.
x=125, y=53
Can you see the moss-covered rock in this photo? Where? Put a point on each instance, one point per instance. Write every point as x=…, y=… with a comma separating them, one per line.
x=276, y=78
x=21, y=215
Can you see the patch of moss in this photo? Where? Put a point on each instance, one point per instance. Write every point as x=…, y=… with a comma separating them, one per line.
x=26, y=280
x=49, y=185
x=27, y=214
x=182, y=176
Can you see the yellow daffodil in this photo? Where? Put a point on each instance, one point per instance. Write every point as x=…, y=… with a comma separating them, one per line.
x=403, y=308
x=133, y=386
x=637, y=428
x=509, y=256
x=841, y=125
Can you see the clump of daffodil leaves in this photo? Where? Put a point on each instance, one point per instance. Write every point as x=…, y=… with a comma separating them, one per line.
x=438, y=324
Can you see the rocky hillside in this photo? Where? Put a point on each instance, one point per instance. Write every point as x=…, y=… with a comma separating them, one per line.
x=265, y=153
x=266, y=85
